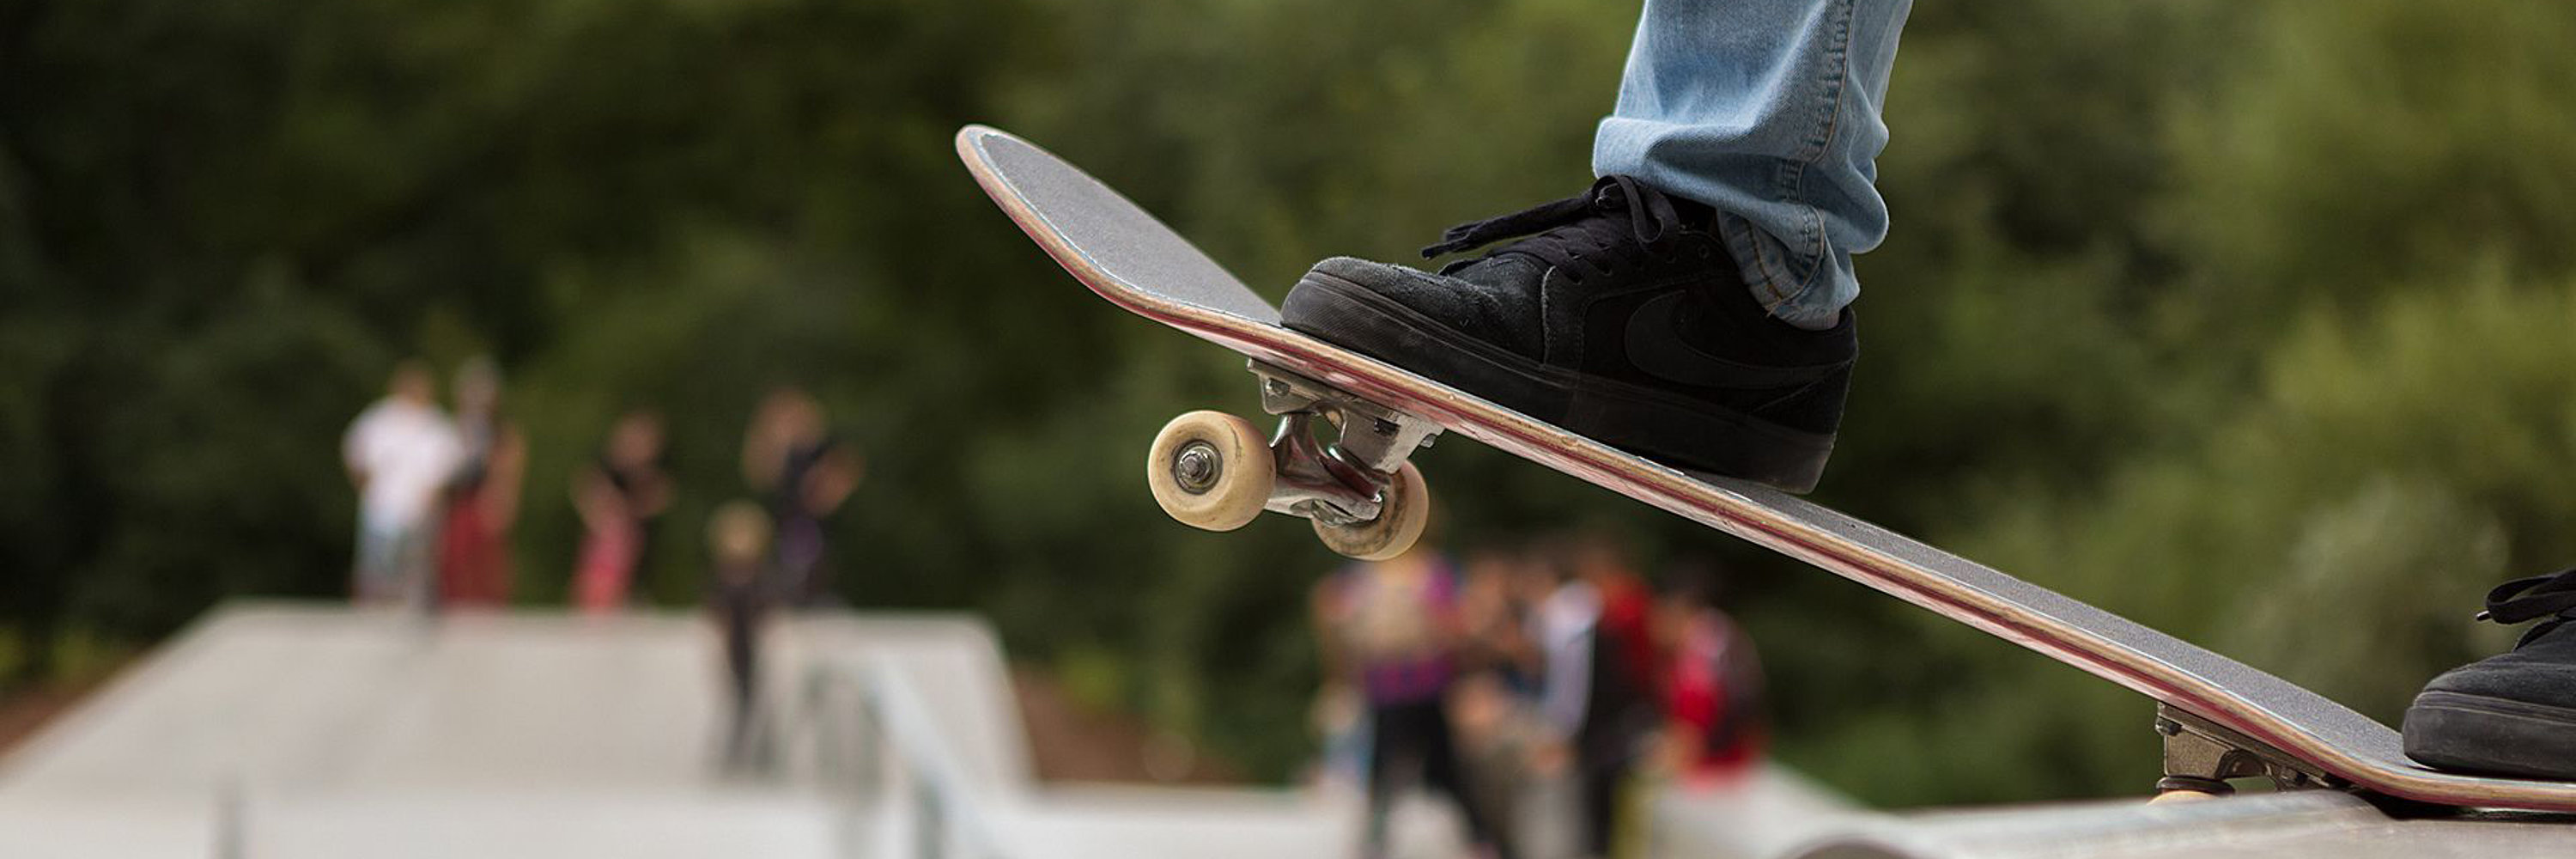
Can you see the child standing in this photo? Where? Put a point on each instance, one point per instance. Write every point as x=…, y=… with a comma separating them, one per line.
x=740, y=598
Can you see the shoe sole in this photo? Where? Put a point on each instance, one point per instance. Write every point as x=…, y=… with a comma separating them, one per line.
x=2497, y=736
x=1662, y=426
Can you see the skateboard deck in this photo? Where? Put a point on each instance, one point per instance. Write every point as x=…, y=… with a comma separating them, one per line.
x=2221, y=718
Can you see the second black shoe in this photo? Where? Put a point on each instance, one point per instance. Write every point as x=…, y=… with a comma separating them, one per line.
x=1617, y=314
x=2513, y=713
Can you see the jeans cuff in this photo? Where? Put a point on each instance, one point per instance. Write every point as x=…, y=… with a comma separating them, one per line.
x=1796, y=288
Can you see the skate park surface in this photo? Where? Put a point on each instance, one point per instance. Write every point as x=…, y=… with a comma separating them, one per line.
x=297, y=730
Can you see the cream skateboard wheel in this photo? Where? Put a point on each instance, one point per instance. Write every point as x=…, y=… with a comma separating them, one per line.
x=1211, y=470
x=1404, y=508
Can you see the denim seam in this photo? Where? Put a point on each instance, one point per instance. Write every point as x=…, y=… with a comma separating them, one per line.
x=1740, y=238
x=1790, y=178
x=1838, y=83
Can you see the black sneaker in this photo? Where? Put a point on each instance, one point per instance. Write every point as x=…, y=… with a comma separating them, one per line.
x=1623, y=318
x=2513, y=713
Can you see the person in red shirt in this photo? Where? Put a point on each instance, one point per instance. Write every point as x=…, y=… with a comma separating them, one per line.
x=1711, y=683
x=482, y=495
x=1627, y=604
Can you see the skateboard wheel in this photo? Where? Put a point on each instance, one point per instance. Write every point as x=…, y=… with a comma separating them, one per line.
x=2174, y=796
x=1404, y=510
x=1211, y=470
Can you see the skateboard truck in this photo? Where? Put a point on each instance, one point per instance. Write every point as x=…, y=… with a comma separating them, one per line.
x=1216, y=471
x=2201, y=755
x=1343, y=482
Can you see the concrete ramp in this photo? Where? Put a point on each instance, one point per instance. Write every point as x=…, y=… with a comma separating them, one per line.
x=280, y=730
x=429, y=823
x=303, y=731
x=296, y=730
x=276, y=698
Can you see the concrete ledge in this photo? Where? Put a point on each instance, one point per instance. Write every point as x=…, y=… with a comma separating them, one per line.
x=1768, y=813
x=2268, y=826
x=272, y=697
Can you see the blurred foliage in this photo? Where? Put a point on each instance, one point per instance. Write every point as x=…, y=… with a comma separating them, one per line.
x=2247, y=320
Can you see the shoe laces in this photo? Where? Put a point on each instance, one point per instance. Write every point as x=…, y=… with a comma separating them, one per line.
x=2531, y=598
x=1618, y=219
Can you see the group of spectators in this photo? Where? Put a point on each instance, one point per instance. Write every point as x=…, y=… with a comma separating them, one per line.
x=438, y=492
x=1553, y=665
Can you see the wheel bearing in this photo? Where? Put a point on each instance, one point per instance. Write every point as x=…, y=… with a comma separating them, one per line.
x=1196, y=467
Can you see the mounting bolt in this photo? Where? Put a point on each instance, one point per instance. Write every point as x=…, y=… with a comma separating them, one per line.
x=1196, y=467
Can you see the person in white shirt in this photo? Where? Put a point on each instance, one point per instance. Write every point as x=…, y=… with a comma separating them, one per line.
x=400, y=453
x=1595, y=694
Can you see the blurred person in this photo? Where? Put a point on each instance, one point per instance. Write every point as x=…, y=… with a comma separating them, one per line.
x=1493, y=613
x=620, y=497
x=1339, y=714
x=1340, y=719
x=1693, y=300
x=399, y=453
x=741, y=595
x=790, y=455
x=1393, y=627
x=1598, y=667
x=1714, y=727
x=1627, y=603
x=1531, y=580
x=1503, y=749
x=482, y=494
x=1488, y=704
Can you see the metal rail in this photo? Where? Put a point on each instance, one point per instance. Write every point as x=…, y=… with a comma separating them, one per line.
x=880, y=746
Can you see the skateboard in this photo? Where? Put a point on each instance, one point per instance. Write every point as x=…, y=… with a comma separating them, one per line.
x=2220, y=719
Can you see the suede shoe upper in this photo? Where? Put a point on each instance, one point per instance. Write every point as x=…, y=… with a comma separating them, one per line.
x=1624, y=283
x=2541, y=668
x=1614, y=314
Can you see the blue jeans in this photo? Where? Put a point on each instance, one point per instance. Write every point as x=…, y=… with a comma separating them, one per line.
x=396, y=565
x=1767, y=110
